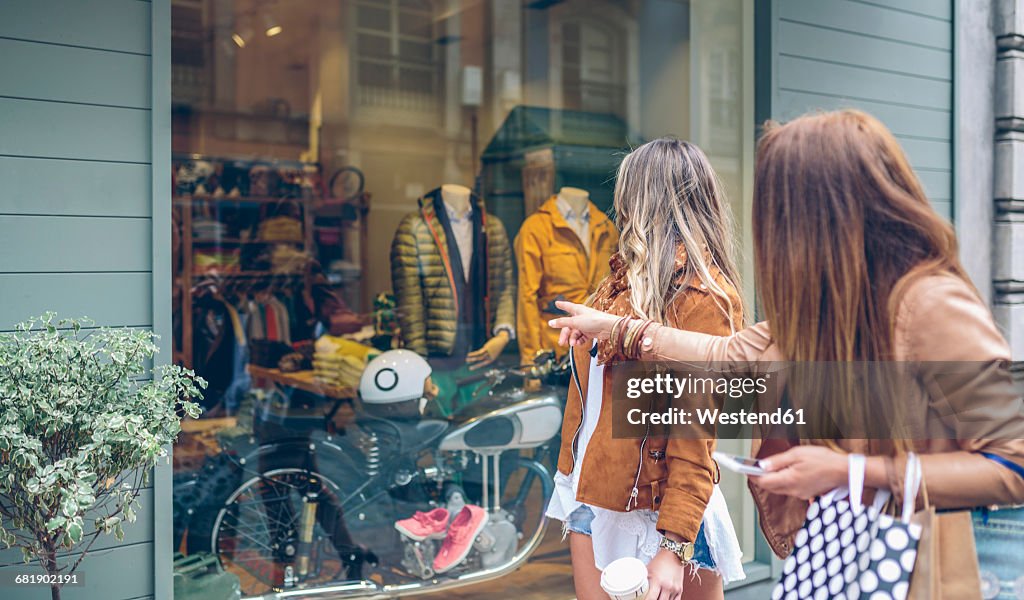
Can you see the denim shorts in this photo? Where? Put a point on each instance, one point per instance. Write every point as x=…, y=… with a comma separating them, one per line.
x=998, y=536
x=579, y=521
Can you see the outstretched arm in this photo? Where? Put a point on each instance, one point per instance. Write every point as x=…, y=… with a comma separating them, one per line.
x=661, y=342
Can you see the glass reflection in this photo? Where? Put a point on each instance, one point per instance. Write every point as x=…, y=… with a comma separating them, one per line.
x=351, y=189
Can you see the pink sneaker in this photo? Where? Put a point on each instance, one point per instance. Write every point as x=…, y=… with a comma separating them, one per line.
x=461, y=533
x=424, y=525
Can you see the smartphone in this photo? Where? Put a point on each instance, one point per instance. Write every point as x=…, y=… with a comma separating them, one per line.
x=739, y=464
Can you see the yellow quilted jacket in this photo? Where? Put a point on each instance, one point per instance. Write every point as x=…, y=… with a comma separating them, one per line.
x=421, y=275
x=552, y=262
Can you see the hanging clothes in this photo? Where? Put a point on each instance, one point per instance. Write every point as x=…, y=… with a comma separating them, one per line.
x=221, y=352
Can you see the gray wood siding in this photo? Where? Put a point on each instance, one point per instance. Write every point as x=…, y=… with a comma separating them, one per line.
x=892, y=59
x=75, y=156
x=77, y=222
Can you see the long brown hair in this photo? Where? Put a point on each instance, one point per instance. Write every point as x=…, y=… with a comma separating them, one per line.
x=840, y=221
x=667, y=196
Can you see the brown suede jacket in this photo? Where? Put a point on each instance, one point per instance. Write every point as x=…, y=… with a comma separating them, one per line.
x=939, y=319
x=672, y=476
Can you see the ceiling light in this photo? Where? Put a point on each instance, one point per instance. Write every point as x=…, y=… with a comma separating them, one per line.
x=241, y=37
x=272, y=27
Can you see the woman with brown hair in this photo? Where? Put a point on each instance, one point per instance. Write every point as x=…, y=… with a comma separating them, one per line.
x=853, y=264
x=654, y=499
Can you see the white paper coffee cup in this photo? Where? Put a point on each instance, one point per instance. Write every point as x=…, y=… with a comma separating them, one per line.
x=625, y=579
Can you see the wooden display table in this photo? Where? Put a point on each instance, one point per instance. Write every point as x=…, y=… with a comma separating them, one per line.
x=301, y=380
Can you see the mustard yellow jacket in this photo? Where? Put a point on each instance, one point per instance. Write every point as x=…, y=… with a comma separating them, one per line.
x=421, y=275
x=553, y=262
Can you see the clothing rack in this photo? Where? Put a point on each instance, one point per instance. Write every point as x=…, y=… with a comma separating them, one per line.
x=229, y=283
x=314, y=204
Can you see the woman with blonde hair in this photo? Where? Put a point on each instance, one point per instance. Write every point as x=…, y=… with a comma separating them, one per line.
x=653, y=498
x=854, y=266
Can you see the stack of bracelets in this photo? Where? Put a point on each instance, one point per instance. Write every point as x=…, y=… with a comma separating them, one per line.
x=627, y=334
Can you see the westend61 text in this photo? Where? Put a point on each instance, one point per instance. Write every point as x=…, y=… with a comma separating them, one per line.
x=715, y=416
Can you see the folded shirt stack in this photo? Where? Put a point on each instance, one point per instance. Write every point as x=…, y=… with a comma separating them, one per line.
x=218, y=261
x=208, y=229
x=338, y=362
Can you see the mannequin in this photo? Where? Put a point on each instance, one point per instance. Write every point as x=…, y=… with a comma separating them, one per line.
x=562, y=252
x=578, y=199
x=456, y=196
x=451, y=269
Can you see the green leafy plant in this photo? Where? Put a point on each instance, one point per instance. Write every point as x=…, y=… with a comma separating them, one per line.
x=83, y=420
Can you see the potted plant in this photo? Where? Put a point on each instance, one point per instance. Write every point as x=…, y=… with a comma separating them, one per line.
x=83, y=420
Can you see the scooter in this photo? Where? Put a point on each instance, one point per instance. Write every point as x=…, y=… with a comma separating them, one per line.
x=312, y=515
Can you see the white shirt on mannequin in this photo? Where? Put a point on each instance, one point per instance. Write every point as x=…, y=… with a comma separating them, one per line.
x=460, y=216
x=574, y=205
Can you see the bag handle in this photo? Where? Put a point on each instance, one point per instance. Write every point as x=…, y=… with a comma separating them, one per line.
x=912, y=482
x=855, y=485
x=857, y=467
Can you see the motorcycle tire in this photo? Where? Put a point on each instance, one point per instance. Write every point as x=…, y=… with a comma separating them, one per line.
x=229, y=479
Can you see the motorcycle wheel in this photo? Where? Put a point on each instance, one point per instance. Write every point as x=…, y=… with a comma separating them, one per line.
x=253, y=530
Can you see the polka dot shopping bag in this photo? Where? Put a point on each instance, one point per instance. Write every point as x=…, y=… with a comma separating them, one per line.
x=851, y=552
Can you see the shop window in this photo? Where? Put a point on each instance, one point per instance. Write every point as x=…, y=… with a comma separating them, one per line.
x=324, y=154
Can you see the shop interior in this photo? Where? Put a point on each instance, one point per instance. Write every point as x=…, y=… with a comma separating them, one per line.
x=352, y=178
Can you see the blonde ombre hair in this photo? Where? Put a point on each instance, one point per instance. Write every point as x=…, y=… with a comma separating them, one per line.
x=667, y=194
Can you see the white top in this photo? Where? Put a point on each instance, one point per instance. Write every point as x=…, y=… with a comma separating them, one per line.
x=617, y=534
x=579, y=222
x=462, y=229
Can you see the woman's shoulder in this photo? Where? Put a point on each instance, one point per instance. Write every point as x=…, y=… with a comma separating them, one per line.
x=940, y=316
x=695, y=287
x=699, y=307
x=922, y=294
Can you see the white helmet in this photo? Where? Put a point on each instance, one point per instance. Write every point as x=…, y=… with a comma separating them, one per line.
x=394, y=378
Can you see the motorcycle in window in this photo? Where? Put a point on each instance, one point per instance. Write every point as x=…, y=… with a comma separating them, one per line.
x=392, y=504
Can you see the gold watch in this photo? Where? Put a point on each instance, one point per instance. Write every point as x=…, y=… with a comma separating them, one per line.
x=684, y=550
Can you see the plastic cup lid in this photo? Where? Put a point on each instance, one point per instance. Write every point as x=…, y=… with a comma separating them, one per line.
x=624, y=575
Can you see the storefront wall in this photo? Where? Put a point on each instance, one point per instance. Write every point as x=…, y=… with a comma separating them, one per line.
x=893, y=60
x=84, y=224
x=84, y=149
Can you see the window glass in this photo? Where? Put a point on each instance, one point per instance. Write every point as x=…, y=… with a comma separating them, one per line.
x=330, y=284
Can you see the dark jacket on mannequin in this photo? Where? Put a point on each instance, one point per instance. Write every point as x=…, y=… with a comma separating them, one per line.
x=424, y=277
